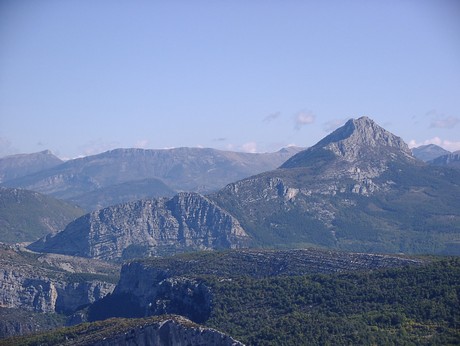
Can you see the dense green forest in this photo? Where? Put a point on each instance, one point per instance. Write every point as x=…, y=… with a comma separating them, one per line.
x=410, y=305
x=406, y=306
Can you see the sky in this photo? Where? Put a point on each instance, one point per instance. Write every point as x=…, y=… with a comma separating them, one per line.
x=79, y=77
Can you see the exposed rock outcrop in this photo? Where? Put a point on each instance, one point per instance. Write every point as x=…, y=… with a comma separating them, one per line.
x=186, y=222
x=449, y=160
x=358, y=189
x=177, y=285
x=27, y=283
x=158, y=331
x=361, y=150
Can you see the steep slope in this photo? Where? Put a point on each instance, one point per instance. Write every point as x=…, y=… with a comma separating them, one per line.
x=182, y=169
x=186, y=222
x=449, y=160
x=27, y=215
x=34, y=287
x=357, y=189
x=429, y=152
x=15, y=166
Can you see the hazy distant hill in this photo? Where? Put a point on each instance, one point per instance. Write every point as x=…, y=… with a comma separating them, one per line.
x=357, y=189
x=449, y=160
x=28, y=215
x=121, y=193
x=429, y=152
x=181, y=169
x=15, y=166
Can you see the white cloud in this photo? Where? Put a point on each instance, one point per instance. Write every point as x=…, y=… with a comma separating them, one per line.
x=444, y=143
x=250, y=147
x=304, y=118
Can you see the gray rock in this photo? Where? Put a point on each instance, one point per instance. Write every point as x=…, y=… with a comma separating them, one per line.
x=449, y=160
x=28, y=283
x=186, y=222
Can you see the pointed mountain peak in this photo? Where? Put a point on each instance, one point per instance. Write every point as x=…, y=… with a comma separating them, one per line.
x=357, y=140
x=362, y=131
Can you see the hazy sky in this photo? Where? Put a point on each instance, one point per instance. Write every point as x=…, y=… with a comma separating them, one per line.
x=80, y=77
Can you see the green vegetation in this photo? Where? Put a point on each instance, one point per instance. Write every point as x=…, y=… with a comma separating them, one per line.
x=406, y=306
x=27, y=215
x=13, y=321
x=87, y=333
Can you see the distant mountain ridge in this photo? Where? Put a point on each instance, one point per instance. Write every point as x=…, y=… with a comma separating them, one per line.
x=448, y=160
x=181, y=169
x=19, y=165
x=358, y=189
x=429, y=152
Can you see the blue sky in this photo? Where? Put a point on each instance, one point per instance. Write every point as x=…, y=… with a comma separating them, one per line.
x=80, y=77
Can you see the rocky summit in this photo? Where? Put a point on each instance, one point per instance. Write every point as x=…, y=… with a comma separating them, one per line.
x=360, y=146
x=186, y=222
x=358, y=189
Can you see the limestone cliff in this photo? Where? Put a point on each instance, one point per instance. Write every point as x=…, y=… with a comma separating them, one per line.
x=29, y=282
x=186, y=222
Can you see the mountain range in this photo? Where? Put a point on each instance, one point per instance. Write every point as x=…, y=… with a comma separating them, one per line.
x=358, y=189
x=19, y=165
x=124, y=175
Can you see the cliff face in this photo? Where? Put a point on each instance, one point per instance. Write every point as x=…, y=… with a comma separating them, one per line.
x=185, y=222
x=27, y=283
x=180, y=285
